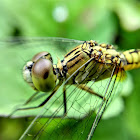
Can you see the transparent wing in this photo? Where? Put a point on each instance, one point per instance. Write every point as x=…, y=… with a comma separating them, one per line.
x=83, y=111
x=82, y=107
x=15, y=52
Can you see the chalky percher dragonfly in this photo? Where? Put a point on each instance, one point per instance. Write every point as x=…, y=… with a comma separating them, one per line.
x=85, y=65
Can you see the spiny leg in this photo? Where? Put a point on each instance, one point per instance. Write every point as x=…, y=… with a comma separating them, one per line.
x=45, y=101
x=89, y=90
x=30, y=99
x=24, y=103
x=64, y=100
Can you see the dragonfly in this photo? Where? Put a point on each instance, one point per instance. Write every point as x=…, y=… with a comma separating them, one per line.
x=78, y=86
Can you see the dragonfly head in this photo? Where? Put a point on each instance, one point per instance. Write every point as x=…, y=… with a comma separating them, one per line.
x=39, y=72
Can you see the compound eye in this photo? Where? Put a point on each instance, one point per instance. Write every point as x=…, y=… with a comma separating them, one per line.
x=43, y=76
x=39, y=55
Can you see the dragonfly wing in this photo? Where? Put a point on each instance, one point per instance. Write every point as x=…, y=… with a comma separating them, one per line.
x=80, y=104
x=14, y=54
x=81, y=112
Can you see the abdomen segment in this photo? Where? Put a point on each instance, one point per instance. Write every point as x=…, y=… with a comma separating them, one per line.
x=132, y=59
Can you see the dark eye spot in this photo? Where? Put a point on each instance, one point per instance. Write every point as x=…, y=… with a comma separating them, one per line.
x=46, y=75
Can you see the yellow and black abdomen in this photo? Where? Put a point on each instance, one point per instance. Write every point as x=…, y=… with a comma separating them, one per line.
x=132, y=59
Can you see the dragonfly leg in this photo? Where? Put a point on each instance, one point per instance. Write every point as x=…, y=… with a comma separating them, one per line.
x=89, y=90
x=24, y=103
x=45, y=101
x=65, y=101
x=30, y=99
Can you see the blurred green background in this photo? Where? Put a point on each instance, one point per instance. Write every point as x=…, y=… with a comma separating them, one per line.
x=116, y=22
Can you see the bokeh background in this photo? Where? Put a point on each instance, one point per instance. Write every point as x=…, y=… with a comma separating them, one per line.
x=109, y=21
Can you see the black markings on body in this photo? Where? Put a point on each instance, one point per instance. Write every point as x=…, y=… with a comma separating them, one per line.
x=71, y=52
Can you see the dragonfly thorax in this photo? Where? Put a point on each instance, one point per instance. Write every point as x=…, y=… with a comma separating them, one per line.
x=96, y=62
